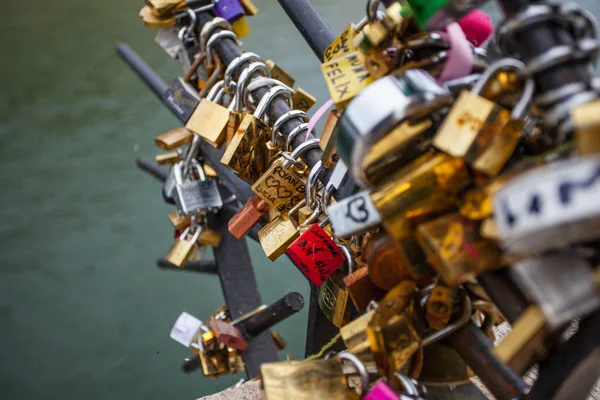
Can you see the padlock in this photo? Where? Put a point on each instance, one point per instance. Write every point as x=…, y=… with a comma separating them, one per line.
x=394, y=151
x=214, y=362
x=436, y=15
x=527, y=342
x=361, y=289
x=375, y=33
x=327, y=139
x=560, y=283
x=550, y=207
x=353, y=215
x=346, y=77
x=182, y=99
x=302, y=100
x=169, y=158
x=456, y=250
x=174, y=138
x=342, y=45
x=439, y=306
x=186, y=329
x=316, y=255
x=280, y=74
x=354, y=335
x=305, y=380
x=209, y=120
x=248, y=216
x=228, y=334
x=386, y=262
x=281, y=186
x=240, y=27
x=179, y=222
x=586, y=121
x=381, y=391
x=484, y=134
x=182, y=249
x=231, y=10
x=424, y=189
x=249, y=7
x=280, y=343
x=210, y=237
x=367, y=119
x=195, y=196
x=247, y=152
x=163, y=7
x=394, y=339
x=152, y=21
x=276, y=236
x=397, y=299
x=333, y=299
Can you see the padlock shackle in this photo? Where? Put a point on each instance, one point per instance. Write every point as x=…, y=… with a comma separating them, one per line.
x=236, y=63
x=209, y=27
x=311, y=185
x=245, y=78
x=288, y=116
x=267, y=99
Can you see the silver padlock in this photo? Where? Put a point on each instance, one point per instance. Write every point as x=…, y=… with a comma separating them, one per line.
x=561, y=284
x=550, y=207
x=382, y=106
x=353, y=215
x=195, y=196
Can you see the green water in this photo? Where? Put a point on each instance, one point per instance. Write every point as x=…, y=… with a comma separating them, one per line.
x=84, y=311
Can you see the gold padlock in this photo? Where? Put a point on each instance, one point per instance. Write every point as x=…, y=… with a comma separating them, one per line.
x=354, y=335
x=240, y=27
x=171, y=157
x=526, y=343
x=303, y=100
x=210, y=237
x=178, y=221
x=277, y=236
x=327, y=139
x=152, y=21
x=174, y=138
x=182, y=249
x=586, y=119
x=209, y=120
x=455, y=248
x=280, y=74
x=305, y=380
x=346, y=76
x=249, y=7
x=484, y=134
x=247, y=152
x=394, y=151
x=280, y=186
x=343, y=44
x=333, y=299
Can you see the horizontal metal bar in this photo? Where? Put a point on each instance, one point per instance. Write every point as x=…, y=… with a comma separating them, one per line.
x=283, y=308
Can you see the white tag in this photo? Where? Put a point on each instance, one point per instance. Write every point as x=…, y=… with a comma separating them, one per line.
x=168, y=40
x=562, y=193
x=353, y=215
x=185, y=329
x=337, y=176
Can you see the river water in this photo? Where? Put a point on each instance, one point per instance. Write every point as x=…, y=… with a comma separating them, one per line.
x=84, y=311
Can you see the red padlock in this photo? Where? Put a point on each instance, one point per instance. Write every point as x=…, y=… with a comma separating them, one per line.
x=228, y=334
x=316, y=255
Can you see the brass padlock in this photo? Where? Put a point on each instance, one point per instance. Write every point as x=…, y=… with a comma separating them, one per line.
x=280, y=186
x=276, y=236
x=327, y=139
x=178, y=221
x=303, y=100
x=247, y=152
x=424, y=189
x=456, y=250
x=334, y=299
x=343, y=44
x=210, y=237
x=152, y=21
x=209, y=121
x=586, y=120
x=361, y=289
x=354, y=335
x=172, y=157
x=346, y=77
x=249, y=7
x=280, y=74
x=484, y=134
x=174, y=138
x=305, y=380
x=182, y=249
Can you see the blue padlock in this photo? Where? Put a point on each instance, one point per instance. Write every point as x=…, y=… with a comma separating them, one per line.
x=231, y=10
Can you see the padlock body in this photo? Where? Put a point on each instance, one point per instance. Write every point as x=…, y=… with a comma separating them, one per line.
x=361, y=289
x=481, y=132
x=381, y=391
x=248, y=216
x=174, y=138
x=195, y=196
x=180, y=252
x=276, y=236
x=228, y=334
x=316, y=255
x=334, y=301
x=231, y=10
x=210, y=237
x=280, y=186
x=247, y=152
x=209, y=120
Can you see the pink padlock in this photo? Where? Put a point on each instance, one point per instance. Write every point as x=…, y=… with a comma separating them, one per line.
x=477, y=26
x=381, y=391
